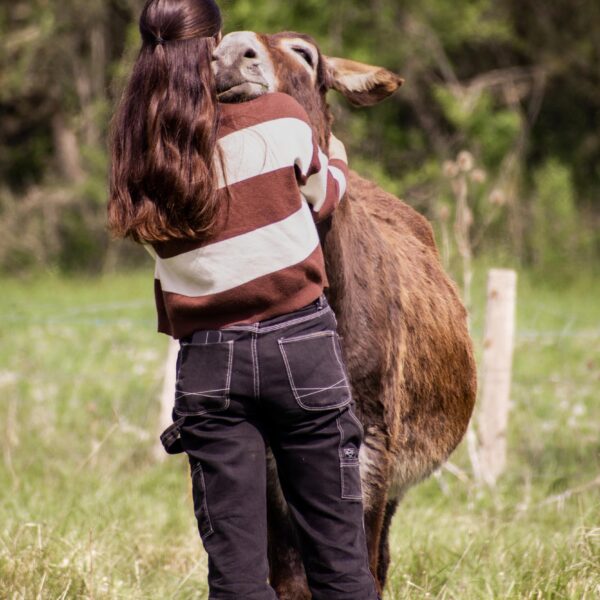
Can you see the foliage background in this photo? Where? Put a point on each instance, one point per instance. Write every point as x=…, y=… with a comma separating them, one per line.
x=86, y=511
x=516, y=83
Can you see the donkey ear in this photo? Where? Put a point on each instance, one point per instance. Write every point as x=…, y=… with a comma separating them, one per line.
x=361, y=84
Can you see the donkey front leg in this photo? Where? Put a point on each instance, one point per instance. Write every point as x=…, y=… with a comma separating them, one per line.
x=384, y=542
x=375, y=469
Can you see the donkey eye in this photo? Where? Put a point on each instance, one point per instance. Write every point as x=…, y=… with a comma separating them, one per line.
x=305, y=54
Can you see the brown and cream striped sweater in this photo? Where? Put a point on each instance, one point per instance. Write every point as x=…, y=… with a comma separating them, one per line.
x=266, y=259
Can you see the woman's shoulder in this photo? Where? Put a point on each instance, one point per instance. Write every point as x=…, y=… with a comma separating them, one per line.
x=268, y=107
x=286, y=103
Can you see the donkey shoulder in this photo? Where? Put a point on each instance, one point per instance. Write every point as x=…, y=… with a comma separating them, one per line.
x=388, y=208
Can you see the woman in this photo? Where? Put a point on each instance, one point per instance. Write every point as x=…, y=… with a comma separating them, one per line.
x=226, y=198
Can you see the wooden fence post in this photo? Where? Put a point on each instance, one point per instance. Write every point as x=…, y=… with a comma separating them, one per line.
x=496, y=373
x=167, y=396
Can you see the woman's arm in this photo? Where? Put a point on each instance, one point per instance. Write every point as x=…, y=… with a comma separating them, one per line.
x=324, y=183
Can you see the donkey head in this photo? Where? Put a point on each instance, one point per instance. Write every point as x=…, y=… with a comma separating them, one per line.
x=248, y=65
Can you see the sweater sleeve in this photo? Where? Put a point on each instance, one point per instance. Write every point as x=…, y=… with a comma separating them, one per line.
x=323, y=184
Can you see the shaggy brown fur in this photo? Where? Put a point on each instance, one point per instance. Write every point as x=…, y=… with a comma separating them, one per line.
x=404, y=331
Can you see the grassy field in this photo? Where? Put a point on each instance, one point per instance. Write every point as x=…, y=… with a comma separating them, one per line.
x=86, y=512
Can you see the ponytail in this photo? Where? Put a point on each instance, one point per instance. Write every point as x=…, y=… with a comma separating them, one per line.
x=163, y=182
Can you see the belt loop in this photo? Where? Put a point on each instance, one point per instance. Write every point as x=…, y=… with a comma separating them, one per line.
x=171, y=437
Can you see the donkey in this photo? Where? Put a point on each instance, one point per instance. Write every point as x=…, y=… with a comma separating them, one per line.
x=403, y=326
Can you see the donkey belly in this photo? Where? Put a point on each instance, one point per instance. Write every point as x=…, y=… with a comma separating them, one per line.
x=408, y=349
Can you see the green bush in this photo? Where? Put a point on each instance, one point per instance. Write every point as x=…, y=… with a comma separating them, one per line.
x=559, y=239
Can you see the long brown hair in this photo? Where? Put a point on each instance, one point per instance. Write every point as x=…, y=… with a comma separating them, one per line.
x=163, y=185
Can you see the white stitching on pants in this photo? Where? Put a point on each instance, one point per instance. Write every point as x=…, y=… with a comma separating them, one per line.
x=229, y=369
x=342, y=473
x=316, y=315
x=345, y=463
x=357, y=421
x=341, y=444
x=335, y=386
x=255, y=366
x=255, y=327
x=339, y=359
x=207, y=393
x=295, y=390
x=308, y=336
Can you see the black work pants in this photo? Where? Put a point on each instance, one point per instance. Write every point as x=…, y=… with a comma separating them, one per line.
x=280, y=382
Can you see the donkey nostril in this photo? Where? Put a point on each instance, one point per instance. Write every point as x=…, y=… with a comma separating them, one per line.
x=250, y=54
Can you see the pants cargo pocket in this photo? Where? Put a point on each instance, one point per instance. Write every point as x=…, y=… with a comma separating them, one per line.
x=350, y=475
x=351, y=436
x=200, y=502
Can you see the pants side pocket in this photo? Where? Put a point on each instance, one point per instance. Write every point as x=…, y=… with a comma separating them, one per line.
x=351, y=436
x=351, y=484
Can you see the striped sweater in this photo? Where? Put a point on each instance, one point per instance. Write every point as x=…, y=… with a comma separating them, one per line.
x=266, y=259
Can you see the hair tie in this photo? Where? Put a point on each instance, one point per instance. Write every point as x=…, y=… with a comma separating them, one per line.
x=159, y=41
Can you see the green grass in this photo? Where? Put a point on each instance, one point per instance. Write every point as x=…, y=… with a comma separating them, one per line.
x=86, y=512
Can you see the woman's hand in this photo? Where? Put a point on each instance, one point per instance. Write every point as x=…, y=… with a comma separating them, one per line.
x=337, y=149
